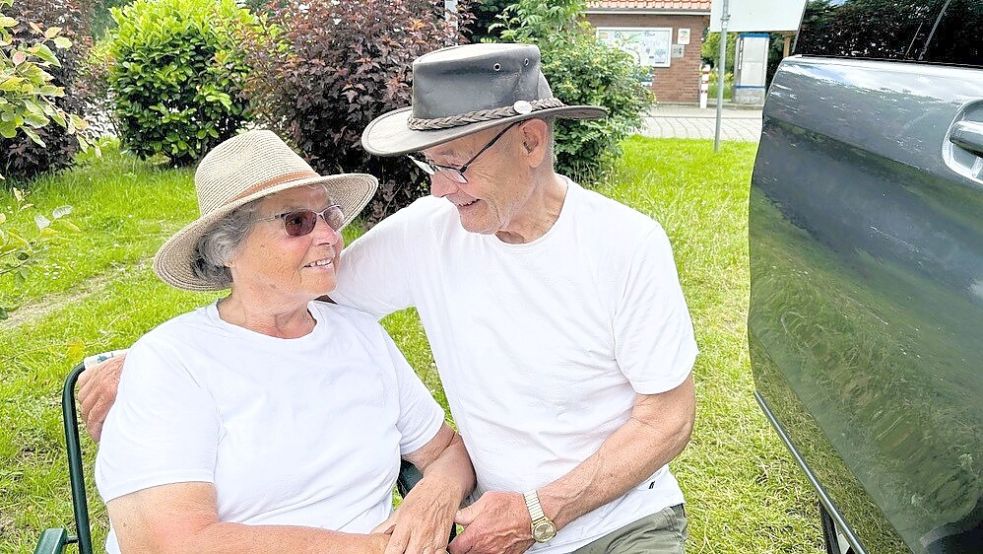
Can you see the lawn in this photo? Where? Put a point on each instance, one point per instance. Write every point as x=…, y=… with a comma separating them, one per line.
x=95, y=292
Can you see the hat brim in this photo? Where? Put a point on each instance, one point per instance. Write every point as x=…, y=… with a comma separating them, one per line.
x=390, y=135
x=172, y=263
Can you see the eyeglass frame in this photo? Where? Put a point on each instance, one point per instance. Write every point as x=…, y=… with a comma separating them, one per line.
x=317, y=214
x=432, y=169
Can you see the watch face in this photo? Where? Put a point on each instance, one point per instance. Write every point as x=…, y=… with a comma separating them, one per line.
x=543, y=530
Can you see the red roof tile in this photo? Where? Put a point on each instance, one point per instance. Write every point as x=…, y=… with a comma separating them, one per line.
x=667, y=5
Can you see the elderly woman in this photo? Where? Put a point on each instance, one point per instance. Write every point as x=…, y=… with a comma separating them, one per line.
x=268, y=421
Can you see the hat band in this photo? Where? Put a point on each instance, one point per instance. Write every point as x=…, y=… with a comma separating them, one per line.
x=519, y=108
x=278, y=180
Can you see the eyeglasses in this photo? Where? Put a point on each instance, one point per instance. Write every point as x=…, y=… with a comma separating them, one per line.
x=456, y=174
x=301, y=222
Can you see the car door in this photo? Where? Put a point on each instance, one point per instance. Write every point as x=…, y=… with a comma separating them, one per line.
x=865, y=324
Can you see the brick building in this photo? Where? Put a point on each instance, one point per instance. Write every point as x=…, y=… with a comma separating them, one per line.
x=664, y=35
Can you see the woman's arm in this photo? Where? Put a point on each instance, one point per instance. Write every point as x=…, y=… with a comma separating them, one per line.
x=183, y=518
x=423, y=521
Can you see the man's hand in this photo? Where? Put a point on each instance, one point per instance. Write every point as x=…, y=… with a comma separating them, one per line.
x=97, y=392
x=423, y=521
x=498, y=523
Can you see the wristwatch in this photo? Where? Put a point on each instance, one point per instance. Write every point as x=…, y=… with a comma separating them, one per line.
x=543, y=528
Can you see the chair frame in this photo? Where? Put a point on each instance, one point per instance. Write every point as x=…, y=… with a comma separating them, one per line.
x=55, y=540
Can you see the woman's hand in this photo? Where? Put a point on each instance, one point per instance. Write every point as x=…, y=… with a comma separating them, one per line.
x=424, y=519
x=422, y=523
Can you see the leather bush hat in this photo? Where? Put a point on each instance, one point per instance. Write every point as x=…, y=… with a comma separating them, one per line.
x=242, y=169
x=461, y=90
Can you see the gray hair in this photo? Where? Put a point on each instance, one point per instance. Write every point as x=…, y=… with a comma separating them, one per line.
x=217, y=245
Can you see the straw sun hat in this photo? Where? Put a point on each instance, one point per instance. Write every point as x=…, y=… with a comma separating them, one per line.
x=242, y=169
x=461, y=90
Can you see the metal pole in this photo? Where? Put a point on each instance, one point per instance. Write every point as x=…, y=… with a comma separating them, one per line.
x=721, y=63
x=450, y=14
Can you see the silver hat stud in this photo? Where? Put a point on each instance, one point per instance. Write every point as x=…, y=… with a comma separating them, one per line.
x=522, y=107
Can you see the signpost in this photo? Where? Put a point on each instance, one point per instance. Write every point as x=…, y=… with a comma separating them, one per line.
x=721, y=63
x=744, y=16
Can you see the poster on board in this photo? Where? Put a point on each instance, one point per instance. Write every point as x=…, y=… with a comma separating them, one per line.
x=650, y=46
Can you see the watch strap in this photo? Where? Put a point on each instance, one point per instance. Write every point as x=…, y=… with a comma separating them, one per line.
x=533, y=505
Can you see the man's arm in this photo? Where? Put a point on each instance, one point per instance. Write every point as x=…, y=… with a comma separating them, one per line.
x=657, y=431
x=97, y=393
x=183, y=518
x=424, y=519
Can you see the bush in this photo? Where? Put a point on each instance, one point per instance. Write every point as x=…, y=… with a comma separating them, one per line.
x=21, y=156
x=335, y=67
x=485, y=15
x=581, y=70
x=176, y=72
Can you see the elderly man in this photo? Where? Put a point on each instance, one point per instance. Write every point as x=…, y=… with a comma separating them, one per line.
x=554, y=314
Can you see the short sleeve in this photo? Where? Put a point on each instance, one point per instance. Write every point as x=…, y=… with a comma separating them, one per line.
x=376, y=270
x=162, y=429
x=654, y=342
x=420, y=417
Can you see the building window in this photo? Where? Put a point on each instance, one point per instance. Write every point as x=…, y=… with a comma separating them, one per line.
x=650, y=46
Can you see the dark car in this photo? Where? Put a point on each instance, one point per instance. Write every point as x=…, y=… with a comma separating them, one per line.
x=866, y=251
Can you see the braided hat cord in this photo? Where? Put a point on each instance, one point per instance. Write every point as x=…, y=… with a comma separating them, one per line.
x=418, y=124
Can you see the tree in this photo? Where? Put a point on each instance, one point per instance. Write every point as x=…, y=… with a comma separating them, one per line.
x=581, y=70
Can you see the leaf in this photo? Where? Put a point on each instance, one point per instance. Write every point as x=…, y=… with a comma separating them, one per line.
x=78, y=122
x=61, y=211
x=62, y=43
x=52, y=32
x=7, y=22
x=11, y=84
x=36, y=120
x=34, y=136
x=59, y=118
x=76, y=349
x=42, y=51
x=19, y=195
x=3, y=313
x=19, y=57
x=3, y=218
x=42, y=222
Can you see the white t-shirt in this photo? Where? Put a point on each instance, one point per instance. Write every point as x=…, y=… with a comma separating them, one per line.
x=542, y=346
x=306, y=431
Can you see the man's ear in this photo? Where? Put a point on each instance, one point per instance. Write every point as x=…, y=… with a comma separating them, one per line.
x=535, y=138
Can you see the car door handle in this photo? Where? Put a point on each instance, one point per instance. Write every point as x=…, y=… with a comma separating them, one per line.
x=969, y=135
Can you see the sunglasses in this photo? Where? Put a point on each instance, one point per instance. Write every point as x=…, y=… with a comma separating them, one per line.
x=299, y=223
x=456, y=174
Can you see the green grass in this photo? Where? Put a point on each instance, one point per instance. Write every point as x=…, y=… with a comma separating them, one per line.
x=744, y=492
x=123, y=206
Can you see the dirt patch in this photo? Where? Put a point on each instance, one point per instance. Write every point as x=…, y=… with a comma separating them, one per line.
x=36, y=310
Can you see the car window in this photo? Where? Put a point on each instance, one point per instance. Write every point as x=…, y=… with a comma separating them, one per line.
x=958, y=37
x=936, y=31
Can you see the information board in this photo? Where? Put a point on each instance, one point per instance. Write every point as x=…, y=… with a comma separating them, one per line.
x=650, y=46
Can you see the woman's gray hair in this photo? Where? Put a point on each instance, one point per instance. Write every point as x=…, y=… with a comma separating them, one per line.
x=218, y=244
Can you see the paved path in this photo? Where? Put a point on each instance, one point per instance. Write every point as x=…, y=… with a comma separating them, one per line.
x=692, y=122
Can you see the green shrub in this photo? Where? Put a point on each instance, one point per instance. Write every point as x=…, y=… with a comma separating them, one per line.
x=581, y=70
x=28, y=90
x=335, y=67
x=21, y=157
x=176, y=72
